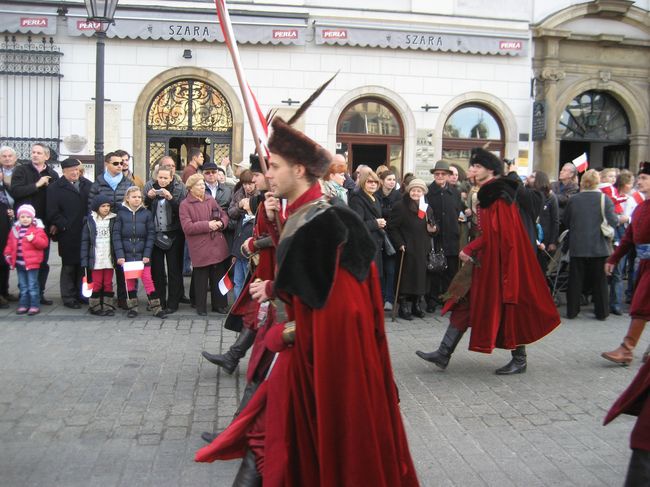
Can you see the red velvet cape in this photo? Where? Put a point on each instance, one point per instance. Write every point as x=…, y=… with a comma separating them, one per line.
x=510, y=303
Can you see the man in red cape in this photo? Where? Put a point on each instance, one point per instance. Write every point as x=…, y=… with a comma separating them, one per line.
x=509, y=303
x=636, y=235
x=329, y=408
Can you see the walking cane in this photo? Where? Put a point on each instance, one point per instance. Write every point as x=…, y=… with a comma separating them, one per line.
x=399, y=280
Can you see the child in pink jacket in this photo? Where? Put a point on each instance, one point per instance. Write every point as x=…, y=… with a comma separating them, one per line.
x=24, y=251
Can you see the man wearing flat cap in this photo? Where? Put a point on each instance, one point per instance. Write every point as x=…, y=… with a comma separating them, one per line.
x=447, y=205
x=67, y=202
x=333, y=365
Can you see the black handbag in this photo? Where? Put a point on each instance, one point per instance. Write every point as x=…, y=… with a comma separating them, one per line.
x=436, y=260
x=163, y=241
x=389, y=249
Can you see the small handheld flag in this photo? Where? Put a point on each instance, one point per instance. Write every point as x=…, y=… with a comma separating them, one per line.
x=133, y=270
x=581, y=162
x=422, y=208
x=225, y=284
x=86, y=289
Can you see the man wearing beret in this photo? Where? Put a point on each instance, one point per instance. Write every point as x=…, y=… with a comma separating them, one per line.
x=67, y=201
x=510, y=305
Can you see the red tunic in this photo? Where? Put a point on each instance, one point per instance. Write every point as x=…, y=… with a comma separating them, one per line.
x=636, y=402
x=330, y=404
x=510, y=304
x=637, y=232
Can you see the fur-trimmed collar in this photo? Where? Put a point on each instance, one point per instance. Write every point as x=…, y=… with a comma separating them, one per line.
x=499, y=188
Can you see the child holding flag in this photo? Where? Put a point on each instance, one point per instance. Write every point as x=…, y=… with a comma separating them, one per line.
x=133, y=239
x=24, y=251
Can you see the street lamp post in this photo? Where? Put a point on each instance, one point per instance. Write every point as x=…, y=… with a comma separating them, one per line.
x=101, y=12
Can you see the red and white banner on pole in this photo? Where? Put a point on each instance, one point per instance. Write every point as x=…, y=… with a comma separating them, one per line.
x=257, y=121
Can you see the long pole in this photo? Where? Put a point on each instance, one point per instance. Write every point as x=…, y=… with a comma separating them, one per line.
x=399, y=281
x=99, y=104
x=229, y=36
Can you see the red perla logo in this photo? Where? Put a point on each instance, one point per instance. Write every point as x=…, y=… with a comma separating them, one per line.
x=335, y=34
x=285, y=34
x=86, y=25
x=510, y=45
x=33, y=21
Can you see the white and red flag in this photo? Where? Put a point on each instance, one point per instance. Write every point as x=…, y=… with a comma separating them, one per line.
x=225, y=284
x=581, y=162
x=133, y=269
x=422, y=208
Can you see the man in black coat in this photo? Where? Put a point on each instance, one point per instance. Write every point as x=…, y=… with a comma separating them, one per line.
x=29, y=186
x=447, y=206
x=113, y=184
x=67, y=200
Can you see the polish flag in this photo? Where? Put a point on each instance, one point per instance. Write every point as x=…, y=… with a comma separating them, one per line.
x=225, y=284
x=638, y=197
x=86, y=289
x=422, y=208
x=581, y=162
x=133, y=270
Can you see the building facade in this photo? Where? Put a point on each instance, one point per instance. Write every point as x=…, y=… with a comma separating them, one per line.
x=416, y=81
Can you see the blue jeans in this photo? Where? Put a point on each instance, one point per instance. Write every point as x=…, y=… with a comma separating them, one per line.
x=30, y=291
x=616, y=279
x=241, y=268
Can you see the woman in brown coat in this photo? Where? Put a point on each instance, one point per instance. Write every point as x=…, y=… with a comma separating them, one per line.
x=203, y=222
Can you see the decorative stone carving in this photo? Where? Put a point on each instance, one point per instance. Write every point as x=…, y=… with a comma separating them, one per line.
x=74, y=143
x=605, y=76
x=552, y=74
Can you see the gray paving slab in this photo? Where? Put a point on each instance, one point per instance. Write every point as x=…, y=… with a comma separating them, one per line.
x=121, y=402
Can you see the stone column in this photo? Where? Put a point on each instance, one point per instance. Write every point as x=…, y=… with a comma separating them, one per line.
x=639, y=150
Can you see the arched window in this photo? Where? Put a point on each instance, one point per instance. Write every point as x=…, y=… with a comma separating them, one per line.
x=471, y=126
x=596, y=116
x=189, y=113
x=371, y=132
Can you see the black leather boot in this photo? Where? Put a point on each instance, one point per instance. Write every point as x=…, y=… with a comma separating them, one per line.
x=447, y=346
x=415, y=309
x=404, y=311
x=248, y=476
x=230, y=359
x=518, y=363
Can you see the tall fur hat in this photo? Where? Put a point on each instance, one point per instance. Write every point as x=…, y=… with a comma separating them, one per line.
x=297, y=148
x=486, y=159
x=644, y=167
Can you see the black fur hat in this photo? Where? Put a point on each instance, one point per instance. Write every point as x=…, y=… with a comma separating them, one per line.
x=297, y=148
x=644, y=167
x=486, y=159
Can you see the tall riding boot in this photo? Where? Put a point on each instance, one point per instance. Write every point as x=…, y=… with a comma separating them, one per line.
x=623, y=354
x=518, y=363
x=109, y=303
x=132, y=304
x=404, y=311
x=447, y=346
x=415, y=309
x=155, y=306
x=95, y=304
x=248, y=476
x=230, y=359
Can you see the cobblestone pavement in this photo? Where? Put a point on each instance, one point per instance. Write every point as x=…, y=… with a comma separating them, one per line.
x=87, y=401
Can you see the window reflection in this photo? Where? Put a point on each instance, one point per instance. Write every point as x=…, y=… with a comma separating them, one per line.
x=472, y=123
x=369, y=118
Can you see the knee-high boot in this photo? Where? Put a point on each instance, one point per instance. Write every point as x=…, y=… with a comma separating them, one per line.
x=109, y=303
x=623, y=354
x=132, y=304
x=518, y=363
x=447, y=346
x=229, y=360
x=247, y=475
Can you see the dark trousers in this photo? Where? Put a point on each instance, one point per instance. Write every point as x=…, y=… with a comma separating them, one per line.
x=587, y=270
x=169, y=282
x=4, y=278
x=437, y=284
x=638, y=472
x=44, y=270
x=120, y=283
x=201, y=277
x=70, y=282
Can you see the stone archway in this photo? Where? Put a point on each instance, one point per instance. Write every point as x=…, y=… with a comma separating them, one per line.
x=391, y=98
x=153, y=87
x=503, y=111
